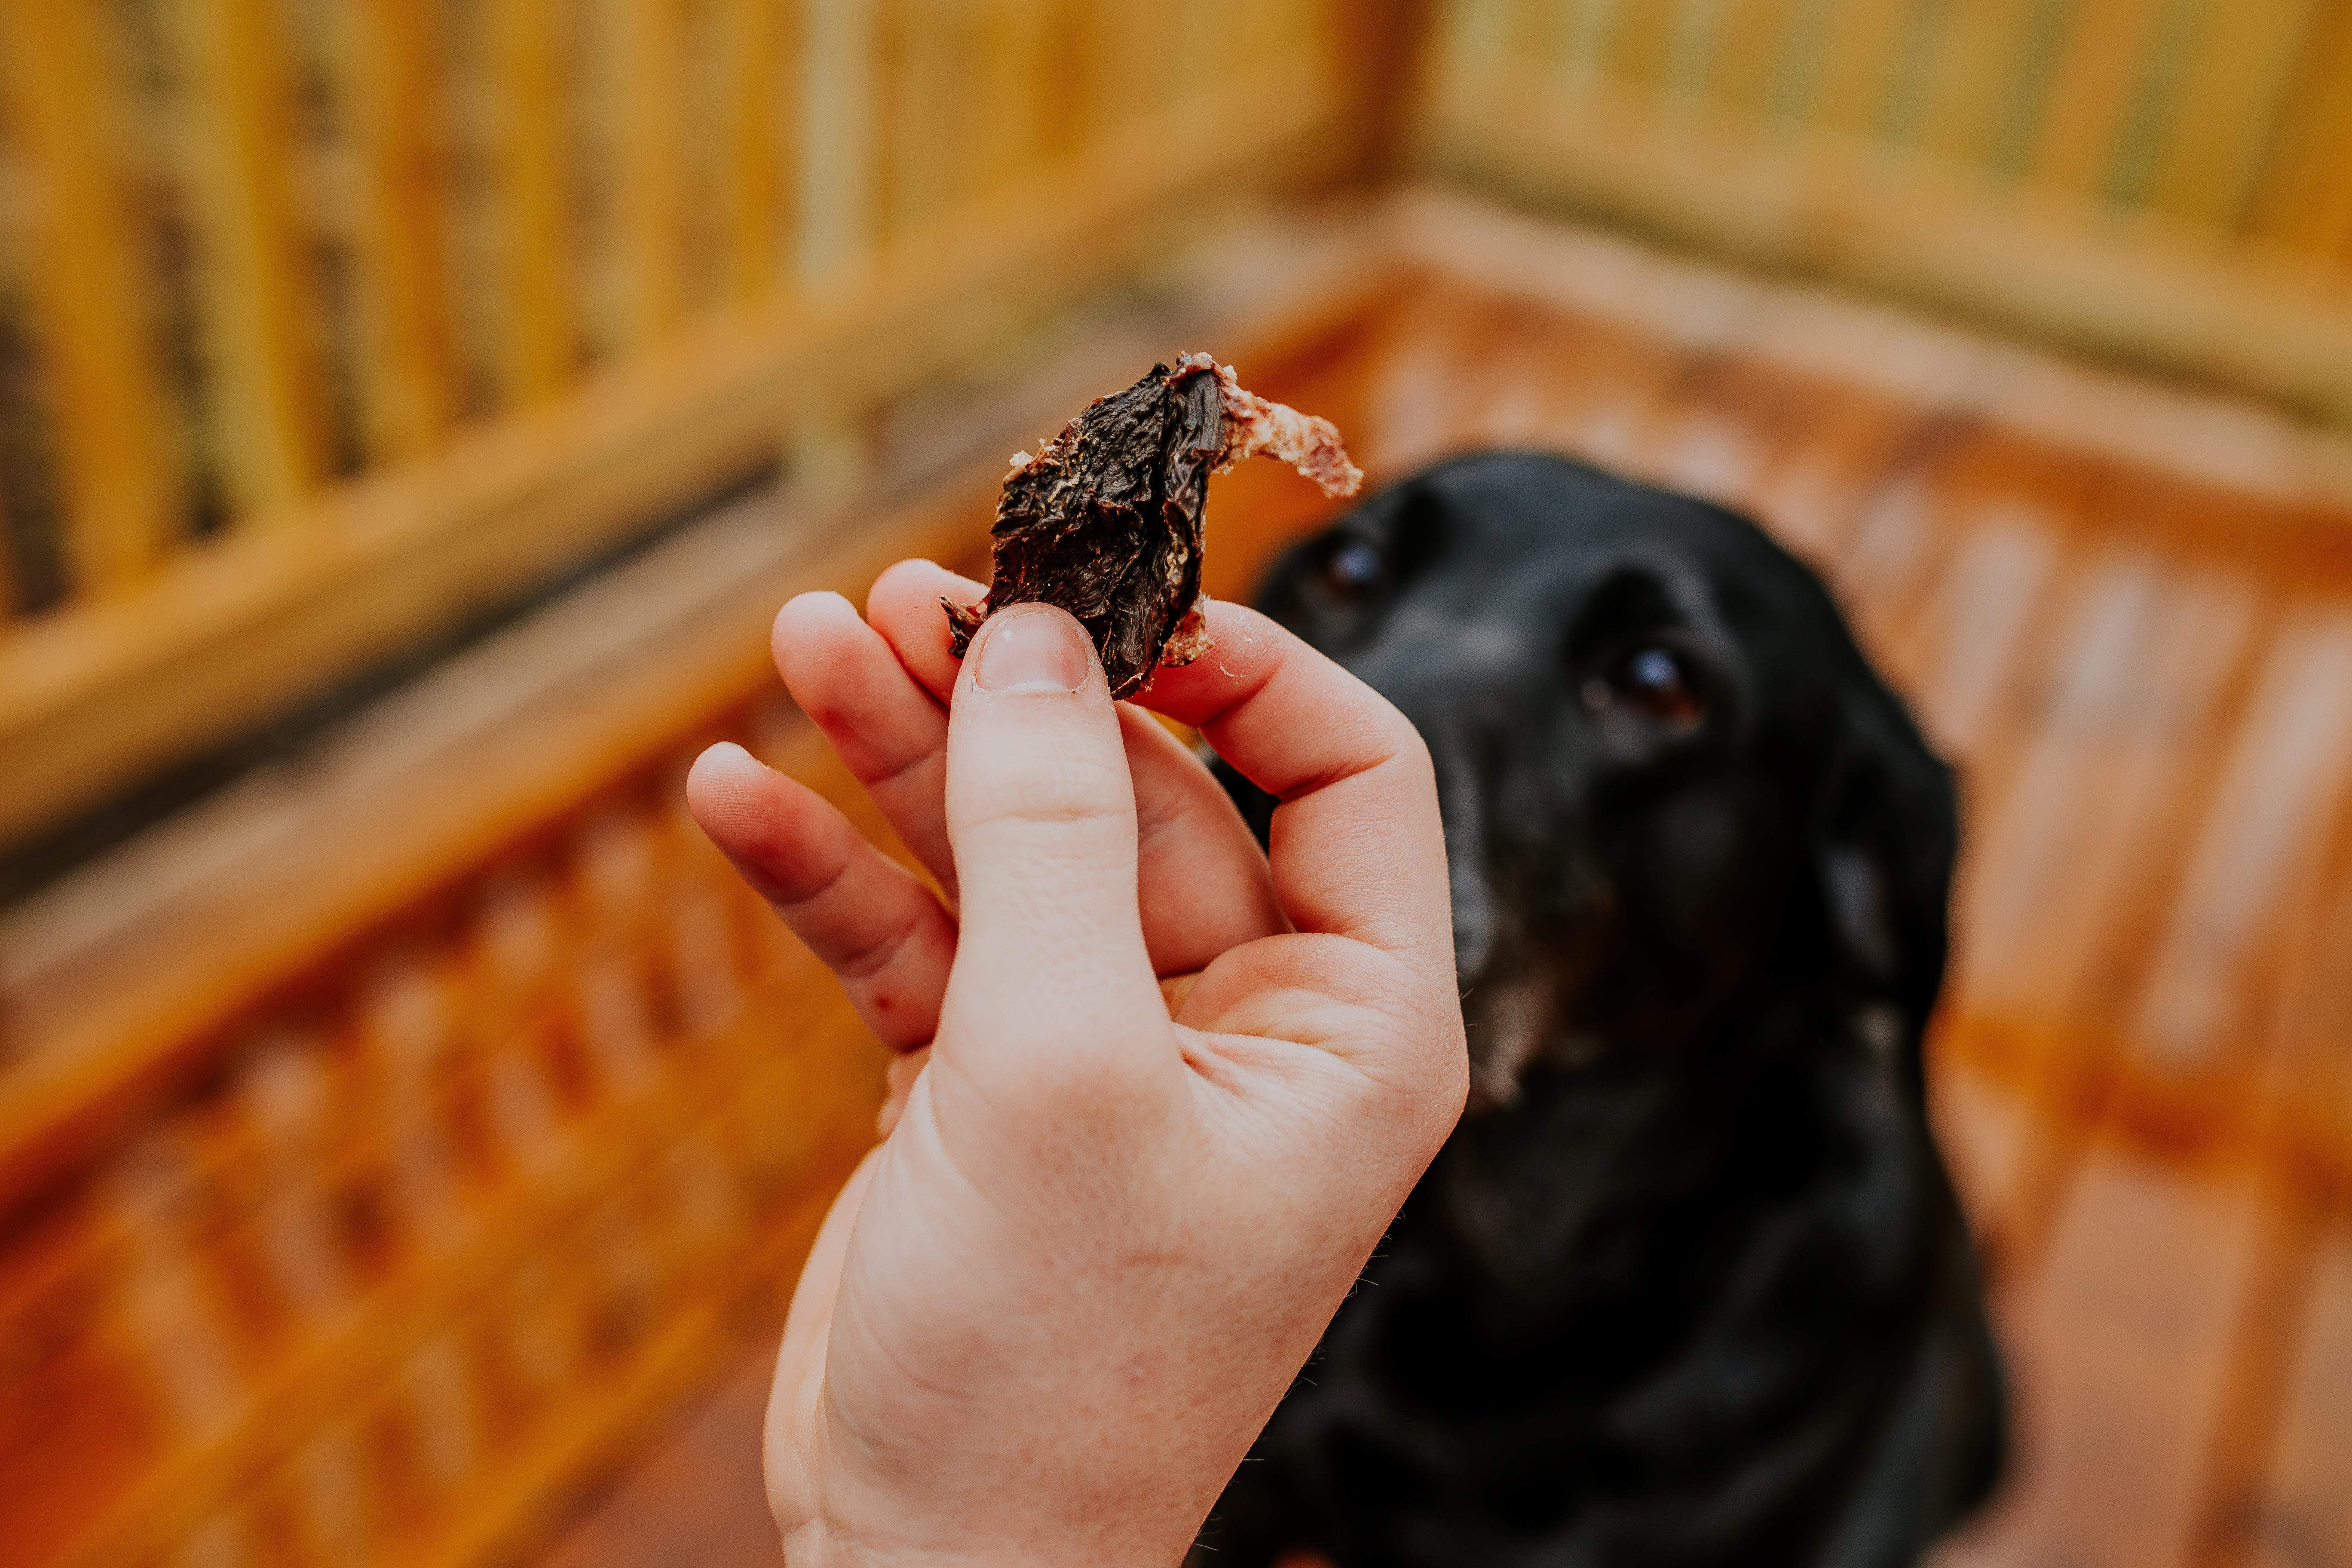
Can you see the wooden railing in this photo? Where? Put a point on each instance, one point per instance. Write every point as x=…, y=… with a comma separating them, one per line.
x=383, y=1158
x=354, y=1213
x=2170, y=180
x=433, y=1232
x=324, y=323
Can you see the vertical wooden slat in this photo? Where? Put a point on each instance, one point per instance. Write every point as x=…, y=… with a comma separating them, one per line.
x=837, y=142
x=2304, y=194
x=536, y=304
x=2098, y=70
x=387, y=55
x=1125, y=74
x=1380, y=50
x=2061, y=847
x=1584, y=36
x=2288, y=767
x=1642, y=40
x=1861, y=53
x=2305, y=1517
x=650, y=68
x=1747, y=37
x=1794, y=74
x=1474, y=32
x=251, y=281
x=1696, y=47
x=1003, y=128
x=757, y=74
x=928, y=89
x=88, y=297
x=2227, y=105
x=2123, y=1350
x=1979, y=54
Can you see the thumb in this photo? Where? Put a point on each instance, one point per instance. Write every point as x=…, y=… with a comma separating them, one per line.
x=1041, y=815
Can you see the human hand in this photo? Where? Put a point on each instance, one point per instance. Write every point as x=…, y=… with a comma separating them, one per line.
x=1047, y=1316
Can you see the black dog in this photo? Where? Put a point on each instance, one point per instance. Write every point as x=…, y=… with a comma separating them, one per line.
x=1689, y=1284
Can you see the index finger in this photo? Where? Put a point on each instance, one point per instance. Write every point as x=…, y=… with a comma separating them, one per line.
x=1357, y=849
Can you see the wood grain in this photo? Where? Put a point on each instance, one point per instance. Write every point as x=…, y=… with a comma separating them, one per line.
x=385, y=54
x=241, y=629
x=2106, y=637
x=90, y=318
x=266, y=409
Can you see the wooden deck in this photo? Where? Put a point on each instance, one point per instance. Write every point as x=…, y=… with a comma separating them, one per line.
x=2126, y=612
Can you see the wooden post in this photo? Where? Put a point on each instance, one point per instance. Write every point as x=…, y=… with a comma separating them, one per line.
x=757, y=74
x=2236, y=72
x=87, y=293
x=2305, y=199
x=649, y=158
x=2089, y=99
x=1973, y=85
x=1378, y=46
x=837, y=142
x=387, y=59
x=928, y=88
x=250, y=282
x=535, y=296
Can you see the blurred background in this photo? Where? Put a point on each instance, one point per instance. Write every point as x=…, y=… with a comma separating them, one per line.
x=412, y=411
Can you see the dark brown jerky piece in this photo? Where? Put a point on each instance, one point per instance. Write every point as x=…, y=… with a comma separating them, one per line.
x=1107, y=520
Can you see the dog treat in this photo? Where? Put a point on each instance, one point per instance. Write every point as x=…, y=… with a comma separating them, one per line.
x=1106, y=520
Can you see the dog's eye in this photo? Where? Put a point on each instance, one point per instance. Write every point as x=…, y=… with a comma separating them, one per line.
x=1353, y=569
x=1655, y=680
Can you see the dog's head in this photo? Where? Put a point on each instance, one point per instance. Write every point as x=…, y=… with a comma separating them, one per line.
x=1676, y=794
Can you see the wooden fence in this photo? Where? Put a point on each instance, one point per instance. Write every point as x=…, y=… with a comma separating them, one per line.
x=429, y=1233
x=378, y=1163
x=2169, y=180
x=324, y=322
x=351, y=1221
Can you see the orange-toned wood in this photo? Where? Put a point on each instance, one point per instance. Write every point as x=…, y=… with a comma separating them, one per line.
x=1011, y=100
x=2243, y=1440
x=266, y=411
x=537, y=301
x=91, y=316
x=930, y=97
x=1859, y=49
x=386, y=58
x=2046, y=259
x=2004, y=157
x=106, y=688
x=759, y=70
x=496, y=1132
x=1971, y=80
x=2151, y=1334
x=2103, y=62
x=840, y=174
x=2302, y=1515
x=2121, y=1352
x=2101, y=632
x=648, y=126
x=1380, y=52
x=1745, y=55
x=661, y=1171
x=2115, y=606
x=2304, y=197
x=2234, y=75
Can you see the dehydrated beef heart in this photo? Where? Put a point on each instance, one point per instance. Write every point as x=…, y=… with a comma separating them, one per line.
x=1107, y=520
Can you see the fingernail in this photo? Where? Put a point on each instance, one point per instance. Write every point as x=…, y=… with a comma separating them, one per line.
x=1032, y=647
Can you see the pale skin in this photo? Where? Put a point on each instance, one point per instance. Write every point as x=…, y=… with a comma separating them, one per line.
x=1048, y=1314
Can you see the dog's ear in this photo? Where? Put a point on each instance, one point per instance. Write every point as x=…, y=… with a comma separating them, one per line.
x=1885, y=830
